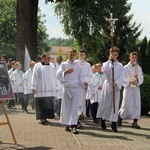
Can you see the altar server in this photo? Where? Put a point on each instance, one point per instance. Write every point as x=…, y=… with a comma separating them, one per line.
x=70, y=74
x=131, y=103
x=106, y=109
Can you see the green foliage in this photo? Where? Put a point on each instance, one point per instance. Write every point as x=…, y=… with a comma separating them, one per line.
x=86, y=22
x=41, y=34
x=8, y=29
x=145, y=93
x=60, y=42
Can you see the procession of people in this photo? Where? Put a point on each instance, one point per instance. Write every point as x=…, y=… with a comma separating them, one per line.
x=75, y=89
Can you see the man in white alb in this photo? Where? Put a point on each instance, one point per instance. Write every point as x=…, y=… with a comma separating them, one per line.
x=70, y=74
x=131, y=103
x=87, y=72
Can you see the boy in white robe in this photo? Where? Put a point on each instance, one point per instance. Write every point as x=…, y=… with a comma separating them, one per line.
x=11, y=102
x=97, y=82
x=89, y=109
x=87, y=72
x=43, y=86
x=59, y=90
x=17, y=83
x=28, y=95
x=70, y=74
x=131, y=103
x=106, y=109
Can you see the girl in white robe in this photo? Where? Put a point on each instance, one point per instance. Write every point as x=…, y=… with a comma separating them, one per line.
x=131, y=103
x=105, y=109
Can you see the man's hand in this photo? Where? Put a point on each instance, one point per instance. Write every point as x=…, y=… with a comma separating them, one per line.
x=21, y=84
x=68, y=70
x=100, y=87
x=133, y=82
x=114, y=85
x=86, y=84
x=34, y=91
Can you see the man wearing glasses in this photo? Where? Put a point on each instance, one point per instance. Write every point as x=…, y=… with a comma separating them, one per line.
x=43, y=86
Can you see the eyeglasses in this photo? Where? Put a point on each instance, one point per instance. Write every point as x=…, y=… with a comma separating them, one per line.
x=72, y=54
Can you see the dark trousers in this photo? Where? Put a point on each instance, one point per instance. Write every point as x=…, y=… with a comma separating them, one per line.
x=89, y=108
x=20, y=97
x=57, y=106
x=95, y=106
x=10, y=103
x=28, y=97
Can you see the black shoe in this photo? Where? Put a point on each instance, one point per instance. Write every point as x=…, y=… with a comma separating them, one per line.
x=103, y=125
x=25, y=110
x=95, y=121
x=135, y=125
x=74, y=131
x=119, y=121
x=79, y=125
x=67, y=128
x=44, y=122
x=114, y=127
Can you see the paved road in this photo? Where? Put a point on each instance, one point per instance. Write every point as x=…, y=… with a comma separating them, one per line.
x=31, y=135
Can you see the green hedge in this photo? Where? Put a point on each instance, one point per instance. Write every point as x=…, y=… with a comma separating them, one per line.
x=145, y=94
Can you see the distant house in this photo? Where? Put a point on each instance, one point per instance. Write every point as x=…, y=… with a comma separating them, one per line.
x=55, y=50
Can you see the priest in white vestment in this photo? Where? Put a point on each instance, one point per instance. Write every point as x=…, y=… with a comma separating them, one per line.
x=105, y=109
x=70, y=74
x=43, y=85
x=87, y=77
x=131, y=103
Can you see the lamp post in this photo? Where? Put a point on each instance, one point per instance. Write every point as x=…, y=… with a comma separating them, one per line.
x=112, y=29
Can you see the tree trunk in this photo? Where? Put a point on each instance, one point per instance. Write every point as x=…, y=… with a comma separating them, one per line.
x=26, y=28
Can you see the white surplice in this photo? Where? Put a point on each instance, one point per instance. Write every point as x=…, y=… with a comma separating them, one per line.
x=27, y=77
x=60, y=87
x=131, y=103
x=97, y=80
x=44, y=80
x=105, y=109
x=87, y=77
x=16, y=79
x=70, y=101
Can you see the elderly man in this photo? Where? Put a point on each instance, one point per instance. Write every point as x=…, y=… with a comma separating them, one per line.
x=43, y=85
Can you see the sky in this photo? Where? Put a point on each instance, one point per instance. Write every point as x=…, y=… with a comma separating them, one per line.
x=140, y=9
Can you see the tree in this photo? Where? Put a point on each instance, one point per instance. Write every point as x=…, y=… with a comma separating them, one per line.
x=8, y=29
x=26, y=28
x=143, y=49
x=86, y=22
x=41, y=34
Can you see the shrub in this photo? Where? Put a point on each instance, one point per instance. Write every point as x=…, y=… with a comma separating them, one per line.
x=145, y=95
